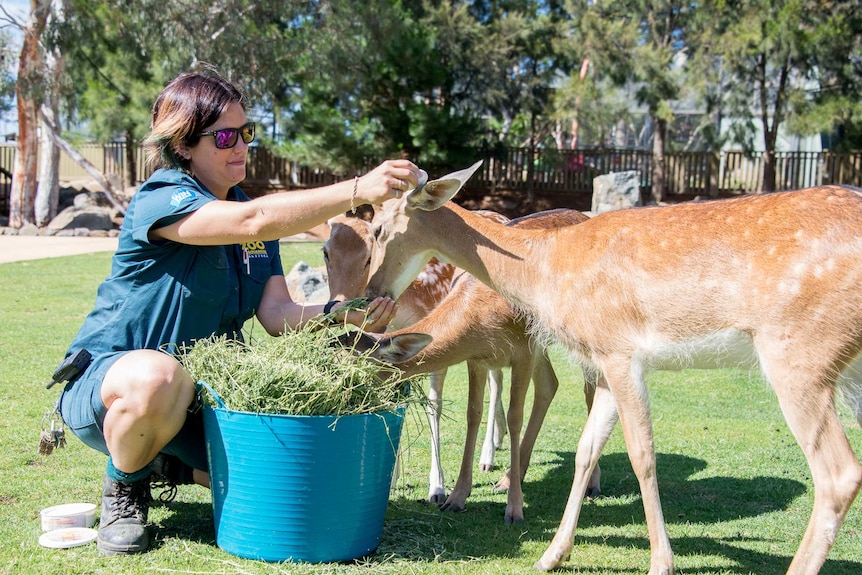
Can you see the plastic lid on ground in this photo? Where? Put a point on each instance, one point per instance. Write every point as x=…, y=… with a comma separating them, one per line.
x=68, y=537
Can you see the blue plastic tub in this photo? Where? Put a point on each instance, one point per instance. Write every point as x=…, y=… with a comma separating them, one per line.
x=299, y=488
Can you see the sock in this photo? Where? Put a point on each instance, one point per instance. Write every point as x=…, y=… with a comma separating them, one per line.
x=117, y=475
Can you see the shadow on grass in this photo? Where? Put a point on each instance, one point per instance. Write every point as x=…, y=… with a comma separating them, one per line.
x=184, y=520
x=734, y=550
x=707, y=500
x=415, y=530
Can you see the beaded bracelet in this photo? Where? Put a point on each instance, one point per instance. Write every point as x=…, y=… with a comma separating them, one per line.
x=353, y=197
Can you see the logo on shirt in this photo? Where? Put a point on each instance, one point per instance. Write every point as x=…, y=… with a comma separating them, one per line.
x=256, y=248
x=182, y=195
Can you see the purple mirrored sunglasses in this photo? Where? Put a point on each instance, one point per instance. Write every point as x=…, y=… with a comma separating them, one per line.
x=228, y=137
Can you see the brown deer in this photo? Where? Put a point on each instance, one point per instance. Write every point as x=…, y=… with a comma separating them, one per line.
x=473, y=324
x=347, y=255
x=770, y=280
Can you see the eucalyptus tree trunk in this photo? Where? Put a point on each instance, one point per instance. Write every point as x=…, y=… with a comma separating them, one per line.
x=27, y=92
x=48, y=188
x=575, y=126
x=131, y=172
x=659, y=169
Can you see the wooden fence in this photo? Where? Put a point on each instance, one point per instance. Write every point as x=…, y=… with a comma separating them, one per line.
x=567, y=175
x=689, y=174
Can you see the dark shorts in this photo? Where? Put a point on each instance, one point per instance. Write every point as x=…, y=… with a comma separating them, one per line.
x=84, y=414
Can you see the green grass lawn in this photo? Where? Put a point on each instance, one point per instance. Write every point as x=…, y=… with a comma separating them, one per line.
x=735, y=486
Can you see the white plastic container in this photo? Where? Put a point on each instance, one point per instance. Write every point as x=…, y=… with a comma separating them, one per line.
x=68, y=515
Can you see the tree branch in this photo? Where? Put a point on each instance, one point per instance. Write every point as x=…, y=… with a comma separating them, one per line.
x=110, y=191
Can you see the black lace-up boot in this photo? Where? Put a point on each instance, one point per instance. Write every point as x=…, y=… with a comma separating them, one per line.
x=123, y=523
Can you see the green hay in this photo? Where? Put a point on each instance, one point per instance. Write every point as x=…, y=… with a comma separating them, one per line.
x=304, y=372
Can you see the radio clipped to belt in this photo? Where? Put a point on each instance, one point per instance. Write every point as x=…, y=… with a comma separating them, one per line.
x=70, y=368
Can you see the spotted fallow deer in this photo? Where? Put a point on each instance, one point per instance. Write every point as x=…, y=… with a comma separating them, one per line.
x=477, y=325
x=347, y=255
x=769, y=281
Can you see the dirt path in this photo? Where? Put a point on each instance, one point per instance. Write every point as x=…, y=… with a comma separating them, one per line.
x=18, y=248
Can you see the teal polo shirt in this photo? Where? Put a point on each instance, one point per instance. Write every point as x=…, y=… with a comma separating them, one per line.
x=162, y=294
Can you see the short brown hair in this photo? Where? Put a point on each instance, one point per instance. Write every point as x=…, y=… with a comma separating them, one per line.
x=188, y=105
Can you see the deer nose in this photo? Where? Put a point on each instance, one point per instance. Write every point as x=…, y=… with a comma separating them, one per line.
x=372, y=292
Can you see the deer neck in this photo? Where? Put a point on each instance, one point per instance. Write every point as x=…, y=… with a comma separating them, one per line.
x=499, y=256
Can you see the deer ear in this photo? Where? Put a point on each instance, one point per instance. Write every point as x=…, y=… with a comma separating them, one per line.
x=390, y=349
x=437, y=192
x=401, y=348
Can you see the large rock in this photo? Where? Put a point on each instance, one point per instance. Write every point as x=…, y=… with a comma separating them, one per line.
x=91, y=200
x=307, y=284
x=92, y=218
x=28, y=230
x=616, y=191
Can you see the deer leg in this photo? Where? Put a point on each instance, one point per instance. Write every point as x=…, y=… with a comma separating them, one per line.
x=594, y=487
x=436, y=484
x=457, y=499
x=597, y=429
x=495, y=430
x=807, y=400
x=396, y=470
x=545, y=385
x=496, y=379
x=629, y=392
x=520, y=381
